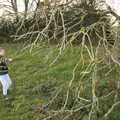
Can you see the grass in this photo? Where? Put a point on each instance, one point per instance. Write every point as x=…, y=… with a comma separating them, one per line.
x=35, y=83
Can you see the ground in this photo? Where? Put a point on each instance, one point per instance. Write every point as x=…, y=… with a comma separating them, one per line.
x=40, y=84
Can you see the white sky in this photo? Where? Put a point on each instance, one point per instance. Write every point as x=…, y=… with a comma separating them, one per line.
x=115, y=4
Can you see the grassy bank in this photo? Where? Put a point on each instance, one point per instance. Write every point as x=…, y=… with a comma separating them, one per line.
x=40, y=87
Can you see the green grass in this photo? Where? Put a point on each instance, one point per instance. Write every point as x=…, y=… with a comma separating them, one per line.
x=35, y=83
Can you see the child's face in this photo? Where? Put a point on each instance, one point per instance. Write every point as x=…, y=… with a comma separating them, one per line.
x=2, y=52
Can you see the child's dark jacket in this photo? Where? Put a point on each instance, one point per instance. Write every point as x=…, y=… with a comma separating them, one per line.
x=3, y=66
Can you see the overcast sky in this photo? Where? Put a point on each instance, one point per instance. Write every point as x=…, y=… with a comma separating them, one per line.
x=115, y=4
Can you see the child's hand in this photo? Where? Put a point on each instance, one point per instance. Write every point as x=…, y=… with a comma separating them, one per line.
x=10, y=60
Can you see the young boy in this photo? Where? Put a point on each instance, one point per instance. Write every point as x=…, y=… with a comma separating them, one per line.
x=4, y=77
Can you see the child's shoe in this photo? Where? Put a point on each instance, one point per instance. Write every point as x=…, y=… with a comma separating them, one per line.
x=6, y=98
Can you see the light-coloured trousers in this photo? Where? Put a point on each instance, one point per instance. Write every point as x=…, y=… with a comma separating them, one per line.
x=6, y=83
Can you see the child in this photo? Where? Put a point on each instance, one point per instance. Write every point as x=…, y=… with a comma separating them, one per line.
x=4, y=77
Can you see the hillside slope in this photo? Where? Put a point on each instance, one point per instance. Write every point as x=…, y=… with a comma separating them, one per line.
x=39, y=88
